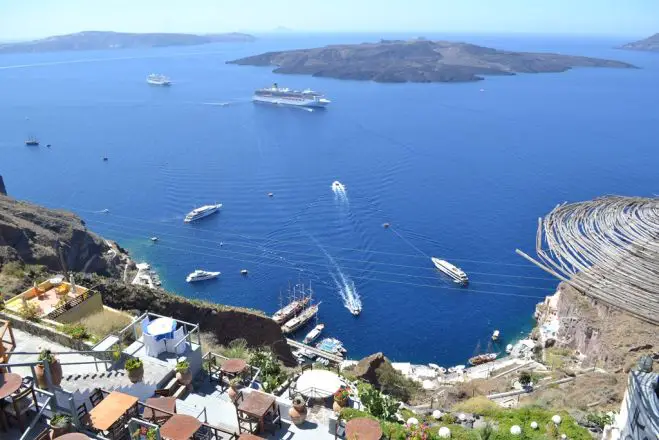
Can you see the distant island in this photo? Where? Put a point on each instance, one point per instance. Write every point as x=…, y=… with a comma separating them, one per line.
x=99, y=40
x=417, y=60
x=650, y=44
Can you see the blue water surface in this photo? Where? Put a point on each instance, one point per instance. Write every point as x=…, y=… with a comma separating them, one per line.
x=458, y=172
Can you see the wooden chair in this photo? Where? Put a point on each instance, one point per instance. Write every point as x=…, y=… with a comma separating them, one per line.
x=246, y=423
x=118, y=431
x=83, y=414
x=239, y=398
x=96, y=397
x=273, y=420
x=203, y=433
x=21, y=403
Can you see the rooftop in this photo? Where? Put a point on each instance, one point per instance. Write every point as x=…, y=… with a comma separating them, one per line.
x=47, y=296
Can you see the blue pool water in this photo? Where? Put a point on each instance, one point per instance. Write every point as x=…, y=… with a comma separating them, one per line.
x=459, y=173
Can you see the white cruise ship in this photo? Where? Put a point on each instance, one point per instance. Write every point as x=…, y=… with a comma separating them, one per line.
x=285, y=96
x=201, y=212
x=201, y=275
x=158, y=80
x=452, y=271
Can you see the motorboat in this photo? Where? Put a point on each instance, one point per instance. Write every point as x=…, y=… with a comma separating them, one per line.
x=158, y=80
x=332, y=346
x=457, y=274
x=313, y=334
x=483, y=358
x=338, y=186
x=495, y=335
x=201, y=275
x=201, y=212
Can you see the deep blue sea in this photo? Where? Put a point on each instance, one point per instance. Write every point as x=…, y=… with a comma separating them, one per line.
x=459, y=173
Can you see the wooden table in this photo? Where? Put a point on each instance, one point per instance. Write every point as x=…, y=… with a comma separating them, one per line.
x=167, y=404
x=180, y=427
x=363, y=429
x=111, y=409
x=73, y=436
x=9, y=384
x=257, y=404
x=233, y=366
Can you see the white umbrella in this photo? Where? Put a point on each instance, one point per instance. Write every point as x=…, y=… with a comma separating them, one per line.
x=161, y=327
x=318, y=384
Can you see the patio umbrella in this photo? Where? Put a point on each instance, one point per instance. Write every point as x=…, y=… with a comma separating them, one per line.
x=161, y=328
x=318, y=384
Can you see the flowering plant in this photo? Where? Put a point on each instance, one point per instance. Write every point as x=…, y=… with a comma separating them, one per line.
x=342, y=394
x=418, y=431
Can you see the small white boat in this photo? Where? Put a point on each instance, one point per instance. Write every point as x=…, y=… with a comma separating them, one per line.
x=457, y=274
x=154, y=239
x=244, y=272
x=338, y=186
x=509, y=348
x=158, y=80
x=105, y=211
x=201, y=212
x=313, y=334
x=201, y=275
x=495, y=335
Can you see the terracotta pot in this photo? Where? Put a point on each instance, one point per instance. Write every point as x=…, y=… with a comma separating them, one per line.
x=336, y=407
x=55, y=374
x=60, y=431
x=184, y=378
x=298, y=414
x=136, y=375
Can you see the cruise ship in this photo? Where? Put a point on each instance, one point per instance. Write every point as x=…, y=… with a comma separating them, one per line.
x=201, y=275
x=201, y=212
x=284, y=96
x=158, y=80
x=458, y=276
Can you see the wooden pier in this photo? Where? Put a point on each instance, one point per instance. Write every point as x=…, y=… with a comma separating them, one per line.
x=320, y=353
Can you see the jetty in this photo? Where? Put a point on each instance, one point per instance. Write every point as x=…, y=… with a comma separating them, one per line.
x=320, y=353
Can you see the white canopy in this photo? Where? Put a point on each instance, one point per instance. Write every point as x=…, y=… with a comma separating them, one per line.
x=318, y=384
x=161, y=327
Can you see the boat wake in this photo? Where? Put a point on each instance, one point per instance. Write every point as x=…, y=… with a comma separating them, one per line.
x=340, y=193
x=344, y=285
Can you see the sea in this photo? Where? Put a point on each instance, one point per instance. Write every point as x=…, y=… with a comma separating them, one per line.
x=459, y=171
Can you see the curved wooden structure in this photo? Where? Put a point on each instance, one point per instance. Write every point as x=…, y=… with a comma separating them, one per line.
x=608, y=249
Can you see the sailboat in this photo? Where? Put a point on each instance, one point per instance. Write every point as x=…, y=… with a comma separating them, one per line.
x=482, y=358
x=295, y=305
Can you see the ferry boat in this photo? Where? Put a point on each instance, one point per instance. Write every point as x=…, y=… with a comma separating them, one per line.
x=202, y=212
x=483, y=358
x=293, y=308
x=201, y=275
x=458, y=276
x=285, y=96
x=313, y=334
x=331, y=345
x=157, y=79
x=305, y=316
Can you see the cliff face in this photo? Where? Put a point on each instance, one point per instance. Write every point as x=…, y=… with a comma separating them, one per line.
x=606, y=337
x=56, y=239
x=3, y=190
x=227, y=323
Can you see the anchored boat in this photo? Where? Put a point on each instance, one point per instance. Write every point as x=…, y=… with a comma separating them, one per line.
x=201, y=275
x=332, y=345
x=201, y=212
x=313, y=334
x=457, y=274
x=293, y=308
x=305, y=316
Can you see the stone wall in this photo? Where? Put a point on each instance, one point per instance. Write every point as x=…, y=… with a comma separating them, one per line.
x=43, y=331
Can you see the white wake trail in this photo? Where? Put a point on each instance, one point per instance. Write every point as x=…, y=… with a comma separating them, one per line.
x=344, y=285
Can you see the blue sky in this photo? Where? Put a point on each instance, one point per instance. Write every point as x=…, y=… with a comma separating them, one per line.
x=21, y=19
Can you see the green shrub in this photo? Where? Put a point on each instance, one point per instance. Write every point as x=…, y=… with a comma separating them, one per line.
x=237, y=349
x=448, y=419
x=46, y=355
x=29, y=311
x=395, y=384
x=272, y=375
x=599, y=420
x=133, y=364
x=60, y=420
x=378, y=405
x=182, y=367
x=480, y=405
x=525, y=378
x=348, y=414
x=76, y=331
x=13, y=269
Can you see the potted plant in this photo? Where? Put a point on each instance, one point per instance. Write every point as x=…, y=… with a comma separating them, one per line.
x=60, y=424
x=298, y=411
x=54, y=367
x=183, y=374
x=135, y=369
x=234, y=385
x=341, y=398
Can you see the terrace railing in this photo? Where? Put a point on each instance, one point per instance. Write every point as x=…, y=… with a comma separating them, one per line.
x=133, y=330
x=59, y=311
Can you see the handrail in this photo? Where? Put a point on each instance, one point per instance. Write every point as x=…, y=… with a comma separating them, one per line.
x=36, y=419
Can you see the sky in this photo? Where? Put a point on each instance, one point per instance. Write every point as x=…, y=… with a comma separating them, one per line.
x=25, y=19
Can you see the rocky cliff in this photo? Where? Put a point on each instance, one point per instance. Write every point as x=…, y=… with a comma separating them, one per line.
x=226, y=323
x=3, y=190
x=418, y=61
x=56, y=239
x=606, y=337
x=650, y=44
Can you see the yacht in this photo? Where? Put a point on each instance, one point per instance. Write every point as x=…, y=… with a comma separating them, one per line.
x=291, y=309
x=305, y=316
x=201, y=275
x=458, y=276
x=332, y=345
x=338, y=186
x=284, y=96
x=313, y=334
x=202, y=212
x=158, y=80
